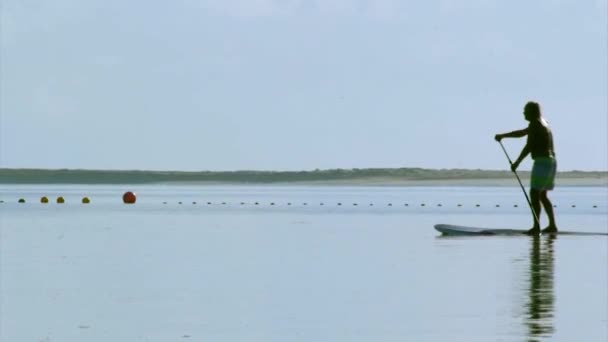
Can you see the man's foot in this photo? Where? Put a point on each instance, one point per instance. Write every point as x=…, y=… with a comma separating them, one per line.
x=550, y=229
x=534, y=231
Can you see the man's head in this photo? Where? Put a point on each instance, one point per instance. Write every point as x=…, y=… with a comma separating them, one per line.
x=532, y=111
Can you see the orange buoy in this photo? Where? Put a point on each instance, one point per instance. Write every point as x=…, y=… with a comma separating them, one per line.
x=129, y=197
x=44, y=199
x=60, y=200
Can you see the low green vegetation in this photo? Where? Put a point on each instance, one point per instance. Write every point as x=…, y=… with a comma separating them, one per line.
x=353, y=176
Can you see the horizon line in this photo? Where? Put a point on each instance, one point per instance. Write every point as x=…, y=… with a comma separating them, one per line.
x=278, y=170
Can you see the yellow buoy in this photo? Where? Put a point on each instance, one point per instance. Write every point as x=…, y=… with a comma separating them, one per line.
x=86, y=200
x=60, y=200
x=44, y=199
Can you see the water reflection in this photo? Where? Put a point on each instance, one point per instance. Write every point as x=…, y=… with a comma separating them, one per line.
x=540, y=305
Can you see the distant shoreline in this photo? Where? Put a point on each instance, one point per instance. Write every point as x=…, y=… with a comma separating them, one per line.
x=498, y=182
x=336, y=177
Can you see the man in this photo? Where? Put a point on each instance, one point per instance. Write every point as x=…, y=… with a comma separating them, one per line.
x=540, y=145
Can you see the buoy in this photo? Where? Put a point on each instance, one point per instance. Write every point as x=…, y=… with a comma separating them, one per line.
x=390, y=204
x=477, y=205
x=406, y=205
x=339, y=203
x=498, y=206
x=271, y=203
x=129, y=197
x=44, y=199
x=193, y=202
x=595, y=206
x=515, y=206
x=422, y=205
x=208, y=203
x=86, y=200
x=305, y=203
x=256, y=203
x=60, y=200
x=439, y=205
x=180, y=203
x=21, y=200
x=460, y=205
x=574, y=206
x=355, y=204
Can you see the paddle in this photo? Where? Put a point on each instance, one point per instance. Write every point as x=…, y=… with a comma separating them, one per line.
x=521, y=185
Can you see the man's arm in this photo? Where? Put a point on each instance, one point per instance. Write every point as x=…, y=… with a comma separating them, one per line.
x=524, y=153
x=515, y=134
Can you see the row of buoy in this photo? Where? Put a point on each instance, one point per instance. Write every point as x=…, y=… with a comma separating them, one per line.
x=59, y=200
x=353, y=204
x=127, y=198
x=130, y=198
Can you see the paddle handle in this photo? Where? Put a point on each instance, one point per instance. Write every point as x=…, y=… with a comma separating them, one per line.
x=521, y=185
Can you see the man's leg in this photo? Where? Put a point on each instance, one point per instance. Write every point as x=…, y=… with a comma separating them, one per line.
x=552, y=227
x=535, y=199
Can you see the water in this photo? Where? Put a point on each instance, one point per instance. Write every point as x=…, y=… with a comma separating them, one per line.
x=312, y=267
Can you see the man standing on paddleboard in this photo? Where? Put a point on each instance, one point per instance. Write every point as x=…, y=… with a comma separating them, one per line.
x=540, y=145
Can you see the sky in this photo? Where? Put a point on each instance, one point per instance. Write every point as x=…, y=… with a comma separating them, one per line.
x=298, y=84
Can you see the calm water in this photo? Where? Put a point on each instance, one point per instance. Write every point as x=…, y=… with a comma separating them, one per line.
x=312, y=267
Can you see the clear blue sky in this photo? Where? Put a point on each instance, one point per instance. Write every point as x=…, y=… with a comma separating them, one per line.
x=298, y=84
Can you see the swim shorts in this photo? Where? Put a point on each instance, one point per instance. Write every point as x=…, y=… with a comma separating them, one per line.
x=543, y=173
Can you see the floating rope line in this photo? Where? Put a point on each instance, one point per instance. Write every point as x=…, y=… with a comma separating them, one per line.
x=87, y=200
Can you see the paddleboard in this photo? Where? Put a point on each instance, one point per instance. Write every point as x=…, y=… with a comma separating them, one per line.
x=450, y=229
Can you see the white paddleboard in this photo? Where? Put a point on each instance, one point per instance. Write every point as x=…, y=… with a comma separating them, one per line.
x=450, y=229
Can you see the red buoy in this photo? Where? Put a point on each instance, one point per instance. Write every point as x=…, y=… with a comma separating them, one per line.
x=129, y=197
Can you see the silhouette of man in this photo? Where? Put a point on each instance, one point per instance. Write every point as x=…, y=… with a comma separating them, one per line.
x=540, y=145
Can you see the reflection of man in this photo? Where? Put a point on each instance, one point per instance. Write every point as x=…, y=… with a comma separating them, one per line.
x=540, y=305
x=540, y=145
